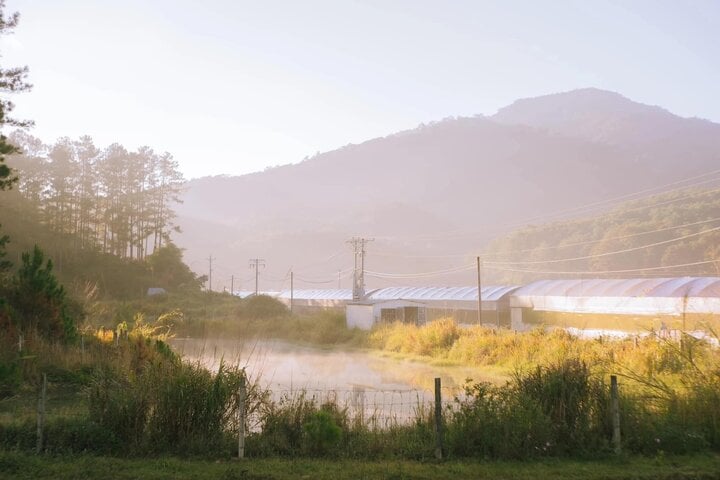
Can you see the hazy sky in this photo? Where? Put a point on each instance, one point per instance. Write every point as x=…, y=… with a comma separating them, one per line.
x=232, y=87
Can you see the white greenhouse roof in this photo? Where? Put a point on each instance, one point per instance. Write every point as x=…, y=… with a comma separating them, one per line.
x=316, y=294
x=678, y=287
x=489, y=293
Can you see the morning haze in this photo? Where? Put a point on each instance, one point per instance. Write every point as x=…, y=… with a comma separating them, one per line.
x=359, y=239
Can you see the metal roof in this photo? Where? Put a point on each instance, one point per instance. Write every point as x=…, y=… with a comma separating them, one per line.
x=316, y=294
x=422, y=294
x=489, y=293
x=634, y=287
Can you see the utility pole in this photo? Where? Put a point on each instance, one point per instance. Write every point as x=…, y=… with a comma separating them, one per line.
x=292, y=290
x=210, y=259
x=232, y=284
x=358, y=244
x=479, y=312
x=256, y=263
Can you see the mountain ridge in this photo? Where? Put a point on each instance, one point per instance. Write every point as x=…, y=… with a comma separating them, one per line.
x=458, y=174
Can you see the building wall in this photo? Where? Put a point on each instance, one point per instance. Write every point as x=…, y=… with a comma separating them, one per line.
x=360, y=316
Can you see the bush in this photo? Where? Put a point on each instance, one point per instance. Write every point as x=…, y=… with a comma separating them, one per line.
x=169, y=407
x=573, y=401
x=322, y=432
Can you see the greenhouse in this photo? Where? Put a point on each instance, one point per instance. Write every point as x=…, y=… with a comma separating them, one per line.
x=696, y=297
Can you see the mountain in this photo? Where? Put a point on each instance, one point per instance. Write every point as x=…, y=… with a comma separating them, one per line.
x=444, y=188
x=609, y=118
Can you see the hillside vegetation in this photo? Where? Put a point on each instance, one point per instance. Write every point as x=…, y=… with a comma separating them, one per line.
x=632, y=225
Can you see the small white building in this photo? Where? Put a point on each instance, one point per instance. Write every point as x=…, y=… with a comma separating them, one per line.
x=365, y=314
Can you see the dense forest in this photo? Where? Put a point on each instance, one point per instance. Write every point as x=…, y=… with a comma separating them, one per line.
x=103, y=215
x=661, y=235
x=112, y=199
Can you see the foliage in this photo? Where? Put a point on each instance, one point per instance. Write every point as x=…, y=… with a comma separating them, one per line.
x=169, y=271
x=168, y=407
x=4, y=263
x=622, y=228
x=12, y=80
x=27, y=466
x=87, y=269
x=38, y=300
x=111, y=200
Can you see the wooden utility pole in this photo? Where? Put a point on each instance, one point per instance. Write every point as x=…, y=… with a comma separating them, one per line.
x=438, y=420
x=232, y=284
x=256, y=263
x=292, y=291
x=242, y=396
x=615, y=405
x=479, y=308
x=41, y=414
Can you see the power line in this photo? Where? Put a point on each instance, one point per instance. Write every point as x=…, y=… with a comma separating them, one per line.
x=606, y=254
x=620, y=237
x=602, y=272
x=552, y=247
x=461, y=268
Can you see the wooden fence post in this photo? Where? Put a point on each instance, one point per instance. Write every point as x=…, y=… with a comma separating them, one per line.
x=615, y=406
x=21, y=341
x=242, y=396
x=41, y=414
x=438, y=421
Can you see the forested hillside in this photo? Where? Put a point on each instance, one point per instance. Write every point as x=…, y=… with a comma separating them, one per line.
x=671, y=234
x=104, y=216
x=112, y=199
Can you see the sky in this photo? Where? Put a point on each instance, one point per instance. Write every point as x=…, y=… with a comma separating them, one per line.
x=232, y=87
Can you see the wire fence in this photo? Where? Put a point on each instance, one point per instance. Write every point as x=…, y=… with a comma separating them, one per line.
x=377, y=407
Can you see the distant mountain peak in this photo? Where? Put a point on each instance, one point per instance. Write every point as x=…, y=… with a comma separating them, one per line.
x=598, y=116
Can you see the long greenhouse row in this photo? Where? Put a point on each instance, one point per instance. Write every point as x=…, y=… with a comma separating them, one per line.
x=622, y=304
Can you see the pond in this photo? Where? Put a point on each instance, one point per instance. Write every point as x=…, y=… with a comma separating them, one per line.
x=365, y=381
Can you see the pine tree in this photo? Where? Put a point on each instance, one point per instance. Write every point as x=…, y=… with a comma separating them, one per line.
x=11, y=80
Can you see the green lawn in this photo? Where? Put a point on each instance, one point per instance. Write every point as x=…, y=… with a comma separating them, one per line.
x=23, y=466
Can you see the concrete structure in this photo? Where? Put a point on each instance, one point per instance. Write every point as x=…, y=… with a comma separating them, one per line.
x=365, y=314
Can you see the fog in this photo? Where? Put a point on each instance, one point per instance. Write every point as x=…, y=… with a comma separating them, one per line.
x=392, y=386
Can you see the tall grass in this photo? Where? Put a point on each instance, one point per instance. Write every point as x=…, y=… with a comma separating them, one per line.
x=136, y=397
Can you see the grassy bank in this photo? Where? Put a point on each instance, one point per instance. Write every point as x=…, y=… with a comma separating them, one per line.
x=22, y=466
x=216, y=315
x=445, y=342
x=134, y=397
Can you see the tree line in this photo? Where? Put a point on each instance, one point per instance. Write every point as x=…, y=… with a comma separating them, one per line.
x=112, y=199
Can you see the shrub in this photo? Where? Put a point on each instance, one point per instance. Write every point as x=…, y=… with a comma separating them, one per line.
x=322, y=432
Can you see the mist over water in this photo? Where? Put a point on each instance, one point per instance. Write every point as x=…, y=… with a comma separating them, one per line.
x=284, y=367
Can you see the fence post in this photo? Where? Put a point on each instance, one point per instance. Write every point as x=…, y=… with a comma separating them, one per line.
x=41, y=414
x=438, y=421
x=242, y=395
x=21, y=341
x=615, y=413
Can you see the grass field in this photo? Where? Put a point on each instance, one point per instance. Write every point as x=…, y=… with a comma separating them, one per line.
x=22, y=466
